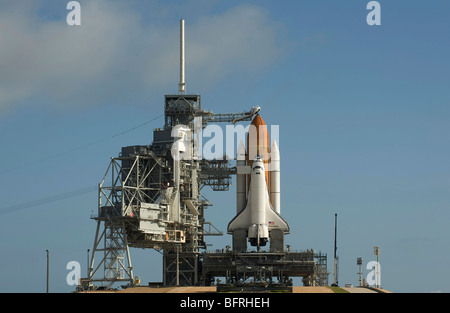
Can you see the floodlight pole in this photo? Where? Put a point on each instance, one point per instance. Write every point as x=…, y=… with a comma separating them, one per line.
x=376, y=251
x=47, y=270
x=359, y=263
x=335, y=251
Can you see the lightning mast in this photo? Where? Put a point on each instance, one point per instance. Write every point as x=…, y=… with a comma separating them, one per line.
x=182, y=84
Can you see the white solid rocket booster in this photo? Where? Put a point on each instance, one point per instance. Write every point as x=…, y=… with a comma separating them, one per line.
x=275, y=177
x=241, y=179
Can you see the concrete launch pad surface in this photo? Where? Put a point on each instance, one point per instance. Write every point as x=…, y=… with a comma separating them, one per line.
x=213, y=289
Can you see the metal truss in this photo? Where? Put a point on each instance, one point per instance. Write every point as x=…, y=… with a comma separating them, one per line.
x=128, y=181
x=116, y=260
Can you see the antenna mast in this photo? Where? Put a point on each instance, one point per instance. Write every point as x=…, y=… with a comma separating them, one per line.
x=182, y=84
x=335, y=252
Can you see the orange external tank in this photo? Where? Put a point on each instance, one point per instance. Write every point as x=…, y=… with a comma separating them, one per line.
x=258, y=143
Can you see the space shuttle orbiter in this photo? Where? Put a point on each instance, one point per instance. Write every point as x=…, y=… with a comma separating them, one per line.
x=258, y=216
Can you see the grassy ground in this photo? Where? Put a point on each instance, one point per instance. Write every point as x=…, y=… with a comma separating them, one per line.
x=337, y=289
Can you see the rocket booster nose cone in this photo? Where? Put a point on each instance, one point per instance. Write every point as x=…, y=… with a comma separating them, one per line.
x=274, y=151
x=241, y=151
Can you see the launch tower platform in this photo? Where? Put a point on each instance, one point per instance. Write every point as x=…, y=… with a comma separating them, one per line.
x=264, y=268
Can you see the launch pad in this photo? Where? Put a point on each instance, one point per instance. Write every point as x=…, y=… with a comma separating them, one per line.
x=150, y=197
x=264, y=269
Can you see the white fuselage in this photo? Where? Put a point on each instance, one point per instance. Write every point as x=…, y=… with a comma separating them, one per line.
x=258, y=232
x=255, y=214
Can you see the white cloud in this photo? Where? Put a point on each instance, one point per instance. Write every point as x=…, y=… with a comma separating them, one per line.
x=243, y=39
x=113, y=53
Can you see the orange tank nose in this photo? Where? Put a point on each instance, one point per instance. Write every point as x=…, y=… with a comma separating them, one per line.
x=258, y=143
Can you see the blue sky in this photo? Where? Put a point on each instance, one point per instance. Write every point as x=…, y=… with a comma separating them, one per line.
x=364, y=115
